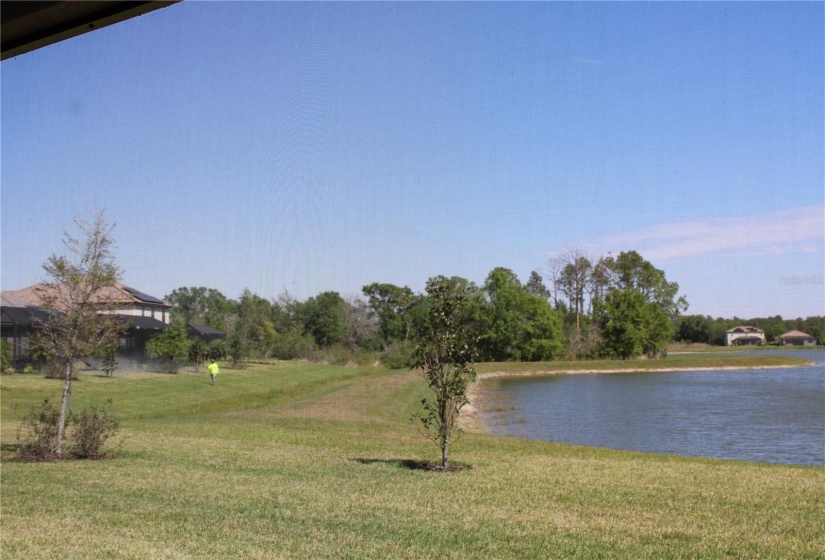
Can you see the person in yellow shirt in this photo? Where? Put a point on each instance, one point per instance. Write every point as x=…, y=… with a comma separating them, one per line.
x=213, y=371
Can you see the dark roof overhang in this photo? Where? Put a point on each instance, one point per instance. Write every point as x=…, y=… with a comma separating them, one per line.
x=204, y=331
x=144, y=323
x=30, y=25
x=22, y=316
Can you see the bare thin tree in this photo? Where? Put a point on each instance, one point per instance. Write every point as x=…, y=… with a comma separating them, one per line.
x=571, y=275
x=81, y=299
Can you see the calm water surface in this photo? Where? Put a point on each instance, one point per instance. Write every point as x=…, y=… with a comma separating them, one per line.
x=772, y=415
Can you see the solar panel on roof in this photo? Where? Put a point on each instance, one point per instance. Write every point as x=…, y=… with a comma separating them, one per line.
x=141, y=296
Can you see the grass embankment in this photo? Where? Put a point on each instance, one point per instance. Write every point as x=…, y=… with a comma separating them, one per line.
x=301, y=461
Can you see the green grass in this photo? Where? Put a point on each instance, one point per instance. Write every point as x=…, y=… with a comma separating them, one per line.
x=294, y=460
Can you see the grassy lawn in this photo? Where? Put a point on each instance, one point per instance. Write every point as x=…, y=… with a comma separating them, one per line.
x=296, y=460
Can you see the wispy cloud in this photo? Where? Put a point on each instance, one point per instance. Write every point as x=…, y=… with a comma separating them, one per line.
x=794, y=230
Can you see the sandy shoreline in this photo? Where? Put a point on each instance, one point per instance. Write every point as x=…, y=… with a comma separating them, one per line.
x=475, y=394
x=492, y=374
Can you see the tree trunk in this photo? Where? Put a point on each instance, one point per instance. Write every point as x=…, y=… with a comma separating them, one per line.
x=61, y=422
x=578, y=324
x=445, y=434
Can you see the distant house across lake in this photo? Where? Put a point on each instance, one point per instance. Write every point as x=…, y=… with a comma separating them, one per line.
x=744, y=336
x=797, y=338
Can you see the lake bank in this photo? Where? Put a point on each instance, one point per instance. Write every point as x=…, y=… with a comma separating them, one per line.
x=682, y=361
x=493, y=374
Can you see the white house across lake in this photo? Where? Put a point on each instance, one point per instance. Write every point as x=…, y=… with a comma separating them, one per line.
x=744, y=336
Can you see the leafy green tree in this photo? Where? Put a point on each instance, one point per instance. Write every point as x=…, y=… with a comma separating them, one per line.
x=287, y=319
x=110, y=363
x=444, y=354
x=718, y=328
x=324, y=319
x=814, y=326
x=254, y=324
x=390, y=303
x=291, y=345
x=198, y=352
x=173, y=343
x=535, y=286
x=543, y=338
x=237, y=349
x=286, y=314
x=81, y=304
x=517, y=324
x=636, y=315
x=201, y=305
x=694, y=328
x=774, y=327
x=264, y=336
x=630, y=271
x=633, y=326
x=218, y=349
x=399, y=355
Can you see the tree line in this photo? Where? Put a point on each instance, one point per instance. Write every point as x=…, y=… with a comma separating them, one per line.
x=580, y=308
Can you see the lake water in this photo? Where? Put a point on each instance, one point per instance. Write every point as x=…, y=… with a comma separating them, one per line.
x=770, y=415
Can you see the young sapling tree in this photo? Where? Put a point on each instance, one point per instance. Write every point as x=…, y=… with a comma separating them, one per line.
x=81, y=301
x=444, y=354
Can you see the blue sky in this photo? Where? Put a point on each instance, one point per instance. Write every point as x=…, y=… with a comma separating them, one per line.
x=320, y=146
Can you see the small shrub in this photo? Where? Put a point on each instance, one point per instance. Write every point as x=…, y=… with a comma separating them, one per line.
x=340, y=355
x=292, y=345
x=5, y=356
x=238, y=349
x=110, y=363
x=218, y=350
x=92, y=428
x=198, y=352
x=399, y=355
x=37, y=434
